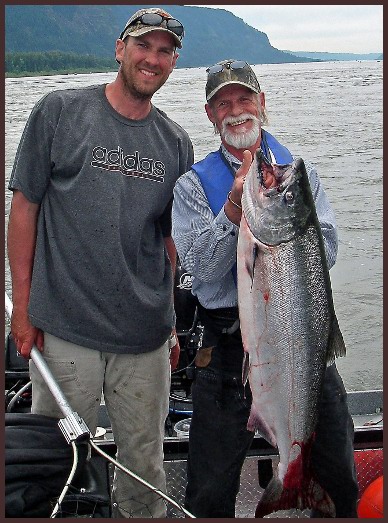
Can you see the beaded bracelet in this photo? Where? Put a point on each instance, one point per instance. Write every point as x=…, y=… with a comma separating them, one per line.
x=232, y=202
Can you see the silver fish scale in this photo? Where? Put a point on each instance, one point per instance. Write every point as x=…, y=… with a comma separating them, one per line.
x=293, y=326
x=286, y=315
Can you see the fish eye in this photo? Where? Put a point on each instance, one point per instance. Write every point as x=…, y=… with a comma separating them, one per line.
x=289, y=196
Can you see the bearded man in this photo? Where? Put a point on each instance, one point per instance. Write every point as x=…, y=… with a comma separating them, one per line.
x=206, y=217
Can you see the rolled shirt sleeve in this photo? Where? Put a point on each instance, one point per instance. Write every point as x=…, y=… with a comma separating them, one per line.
x=206, y=244
x=325, y=215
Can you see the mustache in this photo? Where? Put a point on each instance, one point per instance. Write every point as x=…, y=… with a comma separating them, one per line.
x=240, y=140
x=235, y=119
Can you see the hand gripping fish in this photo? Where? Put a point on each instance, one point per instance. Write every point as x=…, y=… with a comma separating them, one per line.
x=289, y=328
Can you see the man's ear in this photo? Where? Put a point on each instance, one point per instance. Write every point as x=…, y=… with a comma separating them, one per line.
x=175, y=58
x=262, y=99
x=209, y=113
x=120, y=48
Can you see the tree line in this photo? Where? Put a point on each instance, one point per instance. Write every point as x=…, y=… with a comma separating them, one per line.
x=54, y=62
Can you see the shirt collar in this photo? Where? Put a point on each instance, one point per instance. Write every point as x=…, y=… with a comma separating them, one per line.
x=232, y=160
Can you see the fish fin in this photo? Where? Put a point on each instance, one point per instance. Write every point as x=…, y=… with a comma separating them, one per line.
x=245, y=368
x=336, y=347
x=256, y=422
x=276, y=497
x=250, y=264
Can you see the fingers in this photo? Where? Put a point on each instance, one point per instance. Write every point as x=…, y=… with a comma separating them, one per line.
x=245, y=166
x=39, y=340
x=25, y=335
x=247, y=158
x=24, y=341
x=24, y=347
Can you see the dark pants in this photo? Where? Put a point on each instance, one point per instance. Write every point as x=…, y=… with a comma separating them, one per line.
x=333, y=453
x=219, y=440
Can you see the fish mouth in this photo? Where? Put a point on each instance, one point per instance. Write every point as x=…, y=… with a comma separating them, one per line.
x=275, y=215
x=282, y=173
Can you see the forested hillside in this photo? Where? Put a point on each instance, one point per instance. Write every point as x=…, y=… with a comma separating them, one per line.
x=211, y=34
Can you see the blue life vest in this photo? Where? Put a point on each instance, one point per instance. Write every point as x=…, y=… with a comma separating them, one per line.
x=216, y=174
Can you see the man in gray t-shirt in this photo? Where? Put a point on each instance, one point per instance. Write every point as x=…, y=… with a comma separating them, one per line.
x=91, y=253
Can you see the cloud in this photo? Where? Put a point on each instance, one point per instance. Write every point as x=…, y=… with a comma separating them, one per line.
x=331, y=28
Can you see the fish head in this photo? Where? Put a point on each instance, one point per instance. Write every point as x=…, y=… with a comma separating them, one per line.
x=280, y=213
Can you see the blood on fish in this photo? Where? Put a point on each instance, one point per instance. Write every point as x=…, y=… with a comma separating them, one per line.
x=297, y=472
x=266, y=296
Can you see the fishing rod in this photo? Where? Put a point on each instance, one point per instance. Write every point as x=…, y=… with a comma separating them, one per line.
x=75, y=429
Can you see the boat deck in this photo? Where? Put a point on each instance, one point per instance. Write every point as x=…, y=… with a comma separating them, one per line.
x=366, y=408
x=367, y=413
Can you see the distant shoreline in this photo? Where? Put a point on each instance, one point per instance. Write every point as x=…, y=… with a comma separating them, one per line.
x=81, y=70
x=90, y=70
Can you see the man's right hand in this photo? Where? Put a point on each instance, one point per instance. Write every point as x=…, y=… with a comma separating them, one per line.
x=21, y=240
x=233, y=211
x=25, y=334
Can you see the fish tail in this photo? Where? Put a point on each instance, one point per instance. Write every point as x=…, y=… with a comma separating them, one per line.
x=276, y=497
x=317, y=498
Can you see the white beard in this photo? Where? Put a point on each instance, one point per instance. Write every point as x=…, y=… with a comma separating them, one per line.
x=241, y=140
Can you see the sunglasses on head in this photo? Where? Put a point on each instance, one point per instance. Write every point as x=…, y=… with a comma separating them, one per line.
x=153, y=19
x=236, y=64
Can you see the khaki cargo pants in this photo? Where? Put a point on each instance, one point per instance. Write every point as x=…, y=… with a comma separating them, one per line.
x=136, y=392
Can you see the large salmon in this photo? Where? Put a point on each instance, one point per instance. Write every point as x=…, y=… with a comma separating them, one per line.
x=289, y=328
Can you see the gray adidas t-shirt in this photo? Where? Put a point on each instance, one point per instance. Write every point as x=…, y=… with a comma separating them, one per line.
x=101, y=276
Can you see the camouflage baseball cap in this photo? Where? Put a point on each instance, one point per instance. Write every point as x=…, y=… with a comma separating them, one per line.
x=153, y=19
x=230, y=72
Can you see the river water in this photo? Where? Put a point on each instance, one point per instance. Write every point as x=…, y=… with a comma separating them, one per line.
x=330, y=113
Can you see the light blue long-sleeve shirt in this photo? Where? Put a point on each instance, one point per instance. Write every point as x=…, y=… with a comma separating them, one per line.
x=207, y=244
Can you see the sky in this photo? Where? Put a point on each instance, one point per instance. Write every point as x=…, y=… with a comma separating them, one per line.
x=322, y=28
